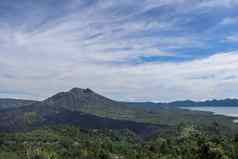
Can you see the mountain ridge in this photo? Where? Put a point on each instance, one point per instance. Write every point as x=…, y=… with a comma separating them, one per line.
x=88, y=98
x=6, y=103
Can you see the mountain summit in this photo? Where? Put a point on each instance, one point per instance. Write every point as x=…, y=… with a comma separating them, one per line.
x=80, y=90
x=78, y=99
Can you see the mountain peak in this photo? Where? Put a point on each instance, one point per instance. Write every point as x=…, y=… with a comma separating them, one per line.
x=80, y=90
x=79, y=99
x=73, y=95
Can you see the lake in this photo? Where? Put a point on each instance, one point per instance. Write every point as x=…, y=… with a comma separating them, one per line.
x=227, y=111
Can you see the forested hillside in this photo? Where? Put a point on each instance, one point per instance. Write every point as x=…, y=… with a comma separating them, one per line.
x=187, y=142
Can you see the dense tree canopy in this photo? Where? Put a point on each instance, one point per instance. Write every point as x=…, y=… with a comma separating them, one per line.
x=66, y=142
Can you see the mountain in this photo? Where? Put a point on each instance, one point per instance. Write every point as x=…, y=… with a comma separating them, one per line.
x=85, y=108
x=84, y=100
x=14, y=103
x=87, y=101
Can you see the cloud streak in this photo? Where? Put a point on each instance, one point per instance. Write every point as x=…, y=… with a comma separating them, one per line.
x=49, y=46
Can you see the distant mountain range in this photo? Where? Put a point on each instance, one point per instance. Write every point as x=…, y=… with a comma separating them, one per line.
x=87, y=109
x=188, y=103
x=213, y=103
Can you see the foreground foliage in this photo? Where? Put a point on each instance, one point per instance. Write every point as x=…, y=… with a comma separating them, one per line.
x=65, y=142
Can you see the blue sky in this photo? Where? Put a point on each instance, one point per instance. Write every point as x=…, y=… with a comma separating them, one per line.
x=136, y=50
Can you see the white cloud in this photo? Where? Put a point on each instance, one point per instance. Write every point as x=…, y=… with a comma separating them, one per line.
x=219, y=3
x=229, y=21
x=100, y=47
x=199, y=79
x=231, y=38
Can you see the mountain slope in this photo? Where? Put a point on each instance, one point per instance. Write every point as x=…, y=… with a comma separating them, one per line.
x=40, y=115
x=87, y=101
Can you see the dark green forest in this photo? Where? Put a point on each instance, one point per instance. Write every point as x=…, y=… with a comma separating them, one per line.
x=70, y=142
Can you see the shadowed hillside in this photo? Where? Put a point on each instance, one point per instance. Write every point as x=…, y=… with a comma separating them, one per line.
x=41, y=114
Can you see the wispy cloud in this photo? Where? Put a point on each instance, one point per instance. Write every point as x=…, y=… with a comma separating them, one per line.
x=219, y=3
x=229, y=21
x=231, y=38
x=52, y=45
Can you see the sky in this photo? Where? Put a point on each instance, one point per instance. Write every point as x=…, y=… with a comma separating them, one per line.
x=128, y=50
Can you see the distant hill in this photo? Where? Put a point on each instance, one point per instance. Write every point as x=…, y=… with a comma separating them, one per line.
x=14, y=103
x=186, y=103
x=215, y=103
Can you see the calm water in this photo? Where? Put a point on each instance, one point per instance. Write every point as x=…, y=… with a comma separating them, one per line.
x=227, y=111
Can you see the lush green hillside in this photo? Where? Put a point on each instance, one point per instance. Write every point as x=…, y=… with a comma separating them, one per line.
x=187, y=142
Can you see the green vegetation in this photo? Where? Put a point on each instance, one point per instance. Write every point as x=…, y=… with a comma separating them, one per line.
x=67, y=142
x=31, y=117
